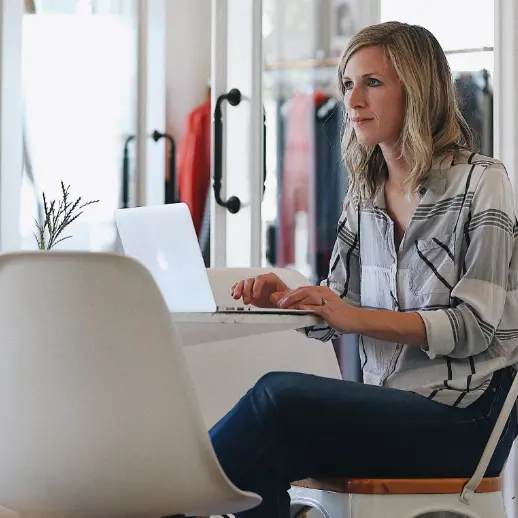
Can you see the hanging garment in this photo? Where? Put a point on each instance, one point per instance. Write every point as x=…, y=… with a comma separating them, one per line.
x=297, y=188
x=194, y=162
x=487, y=115
x=469, y=95
x=204, y=236
x=331, y=180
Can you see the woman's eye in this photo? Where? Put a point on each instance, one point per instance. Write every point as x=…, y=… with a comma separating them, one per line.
x=373, y=82
x=348, y=85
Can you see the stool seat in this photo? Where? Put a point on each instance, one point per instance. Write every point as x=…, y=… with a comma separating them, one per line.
x=397, y=486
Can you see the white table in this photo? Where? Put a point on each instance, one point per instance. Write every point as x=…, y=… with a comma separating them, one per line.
x=197, y=328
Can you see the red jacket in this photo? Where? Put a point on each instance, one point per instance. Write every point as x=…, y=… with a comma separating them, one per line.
x=193, y=174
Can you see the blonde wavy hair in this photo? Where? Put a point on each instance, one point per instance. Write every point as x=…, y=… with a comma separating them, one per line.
x=432, y=124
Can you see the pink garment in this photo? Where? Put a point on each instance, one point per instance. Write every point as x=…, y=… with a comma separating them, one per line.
x=298, y=177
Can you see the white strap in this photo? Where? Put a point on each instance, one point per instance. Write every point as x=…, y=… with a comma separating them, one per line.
x=472, y=484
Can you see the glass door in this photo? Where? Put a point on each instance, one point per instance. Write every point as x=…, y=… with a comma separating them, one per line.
x=86, y=76
x=279, y=54
x=237, y=136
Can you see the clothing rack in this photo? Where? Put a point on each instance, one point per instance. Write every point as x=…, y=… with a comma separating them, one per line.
x=297, y=64
x=282, y=83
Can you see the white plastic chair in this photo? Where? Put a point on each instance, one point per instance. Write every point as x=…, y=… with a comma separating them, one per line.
x=98, y=414
x=477, y=497
x=223, y=371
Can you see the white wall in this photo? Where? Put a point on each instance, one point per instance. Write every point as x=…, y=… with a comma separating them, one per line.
x=188, y=59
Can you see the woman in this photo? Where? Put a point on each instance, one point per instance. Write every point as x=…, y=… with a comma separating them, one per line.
x=424, y=270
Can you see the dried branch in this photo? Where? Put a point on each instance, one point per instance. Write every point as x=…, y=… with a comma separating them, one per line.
x=58, y=215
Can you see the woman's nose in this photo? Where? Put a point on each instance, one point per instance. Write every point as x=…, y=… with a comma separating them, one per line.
x=356, y=99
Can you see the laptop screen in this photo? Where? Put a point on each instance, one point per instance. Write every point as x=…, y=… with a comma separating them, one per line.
x=164, y=240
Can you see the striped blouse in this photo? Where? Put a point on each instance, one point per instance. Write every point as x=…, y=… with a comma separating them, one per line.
x=457, y=266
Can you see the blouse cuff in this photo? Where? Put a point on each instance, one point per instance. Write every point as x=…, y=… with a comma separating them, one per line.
x=439, y=333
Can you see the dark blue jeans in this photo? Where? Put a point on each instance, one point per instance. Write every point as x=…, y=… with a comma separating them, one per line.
x=292, y=426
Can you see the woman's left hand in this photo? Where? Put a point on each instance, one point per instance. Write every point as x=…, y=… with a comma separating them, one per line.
x=323, y=302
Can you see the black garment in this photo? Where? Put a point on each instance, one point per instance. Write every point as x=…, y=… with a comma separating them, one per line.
x=330, y=179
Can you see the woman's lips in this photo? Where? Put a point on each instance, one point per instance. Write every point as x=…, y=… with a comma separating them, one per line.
x=358, y=121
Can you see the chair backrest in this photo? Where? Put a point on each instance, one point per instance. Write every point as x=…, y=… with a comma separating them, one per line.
x=233, y=366
x=472, y=484
x=98, y=412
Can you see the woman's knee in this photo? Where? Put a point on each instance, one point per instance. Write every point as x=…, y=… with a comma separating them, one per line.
x=275, y=392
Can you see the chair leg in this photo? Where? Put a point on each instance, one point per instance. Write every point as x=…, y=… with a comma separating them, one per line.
x=299, y=511
x=489, y=505
x=334, y=505
x=330, y=505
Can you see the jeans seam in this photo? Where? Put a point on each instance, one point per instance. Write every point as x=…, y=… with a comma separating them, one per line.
x=504, y=432
x=496, y=397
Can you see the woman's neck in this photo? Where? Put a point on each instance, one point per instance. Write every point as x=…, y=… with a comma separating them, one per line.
x=398, y=167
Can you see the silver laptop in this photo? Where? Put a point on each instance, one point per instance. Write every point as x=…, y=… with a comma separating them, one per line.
x=164, y=240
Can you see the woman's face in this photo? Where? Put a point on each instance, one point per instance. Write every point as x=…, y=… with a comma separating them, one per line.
x=374, y=98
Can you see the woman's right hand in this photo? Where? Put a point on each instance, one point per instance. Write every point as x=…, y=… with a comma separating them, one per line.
x=258, y=290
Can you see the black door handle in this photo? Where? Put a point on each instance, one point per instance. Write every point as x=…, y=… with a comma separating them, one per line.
x=233, y=204
x=264, y=150
x=171, y=192
x=126, y=173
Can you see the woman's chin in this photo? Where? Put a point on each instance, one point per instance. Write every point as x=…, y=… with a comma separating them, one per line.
x=365, y=139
